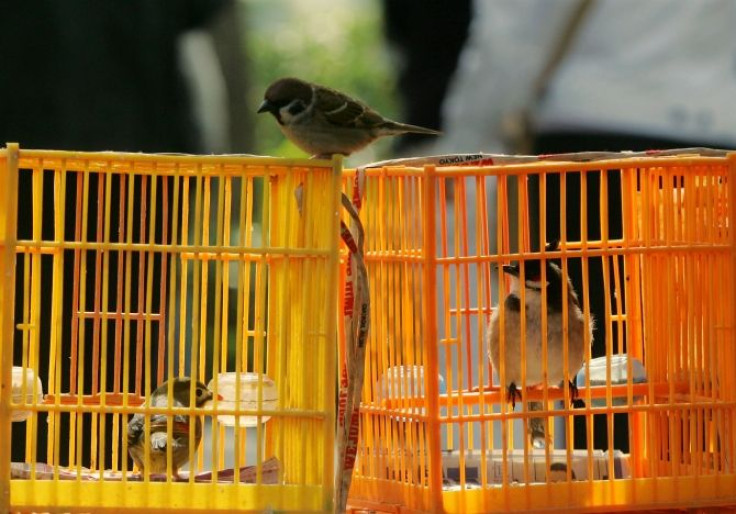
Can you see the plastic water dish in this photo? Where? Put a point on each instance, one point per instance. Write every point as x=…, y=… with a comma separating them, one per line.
x=405, y=382
x=227, y=385
x=619, y=375
x=28, y=376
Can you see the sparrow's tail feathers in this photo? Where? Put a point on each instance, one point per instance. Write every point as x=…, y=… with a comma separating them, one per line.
x=401, y=128
x=536, y=427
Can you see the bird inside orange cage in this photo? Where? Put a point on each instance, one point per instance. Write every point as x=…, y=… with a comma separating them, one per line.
x=578, y=335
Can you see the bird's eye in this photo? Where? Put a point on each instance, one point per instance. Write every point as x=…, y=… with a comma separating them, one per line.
x=200, y=391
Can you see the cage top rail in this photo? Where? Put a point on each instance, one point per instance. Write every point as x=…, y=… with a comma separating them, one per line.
x=179, y=158
x=540, y=166
x=522, y=164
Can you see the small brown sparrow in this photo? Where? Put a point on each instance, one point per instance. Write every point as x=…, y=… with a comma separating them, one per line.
x=181, y=426
x=322, y=121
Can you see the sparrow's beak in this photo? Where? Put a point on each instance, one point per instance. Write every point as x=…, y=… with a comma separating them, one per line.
x=214, y=396
x=511, y=270
x=209, y=405
x=266, y=106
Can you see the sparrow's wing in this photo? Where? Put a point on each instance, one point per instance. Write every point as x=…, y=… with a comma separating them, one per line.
x=137, y=426
x=341, y=110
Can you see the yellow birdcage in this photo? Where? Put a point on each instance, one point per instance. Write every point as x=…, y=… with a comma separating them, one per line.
x=121, y=271
x=648, y=241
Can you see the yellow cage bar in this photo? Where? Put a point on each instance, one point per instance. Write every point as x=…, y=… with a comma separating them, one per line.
x=658, y=431
x=127, y=270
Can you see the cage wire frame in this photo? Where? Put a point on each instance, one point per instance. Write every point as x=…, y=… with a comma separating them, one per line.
x=669, y=282
x=204, y=239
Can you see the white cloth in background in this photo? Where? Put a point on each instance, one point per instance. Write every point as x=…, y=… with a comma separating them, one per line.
x=660, y=68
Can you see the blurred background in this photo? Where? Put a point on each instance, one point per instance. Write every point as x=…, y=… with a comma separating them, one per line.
x=188, y=76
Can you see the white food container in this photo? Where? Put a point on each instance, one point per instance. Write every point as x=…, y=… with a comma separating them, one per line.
x=619, y=375
x=249, y=383
x=29, y=376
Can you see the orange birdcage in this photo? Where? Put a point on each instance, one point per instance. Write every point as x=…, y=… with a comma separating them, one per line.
x=649, y=243
x=126, y=270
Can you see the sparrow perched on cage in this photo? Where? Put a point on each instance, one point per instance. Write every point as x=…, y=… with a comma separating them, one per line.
x=322, y=121
x=181, y=426
x=577, y=330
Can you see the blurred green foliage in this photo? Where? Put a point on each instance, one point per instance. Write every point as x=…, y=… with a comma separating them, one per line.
x=338, y=44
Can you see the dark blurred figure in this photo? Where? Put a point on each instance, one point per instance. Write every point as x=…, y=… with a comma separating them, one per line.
x=428, y=37
x=102, y=75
